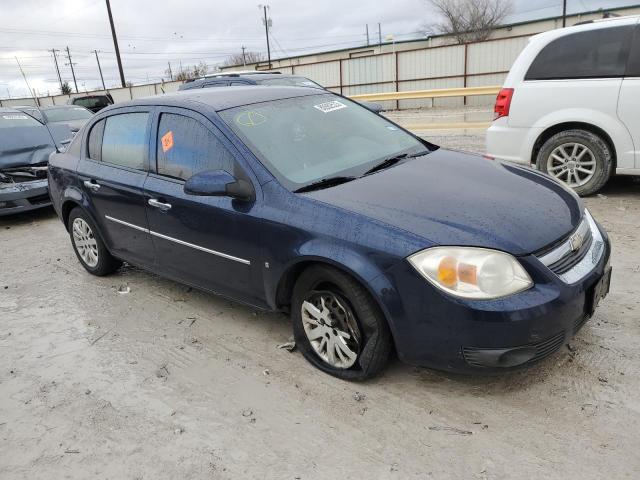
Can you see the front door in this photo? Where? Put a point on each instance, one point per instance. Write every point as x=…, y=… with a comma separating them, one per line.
x=209, y=242
x=112, y=172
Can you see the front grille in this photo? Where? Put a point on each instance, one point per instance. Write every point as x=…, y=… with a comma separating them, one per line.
x=473, y=356
x=570, y=260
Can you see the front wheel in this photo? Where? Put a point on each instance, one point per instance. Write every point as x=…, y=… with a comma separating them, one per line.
x=580, y=159
x=337, y=325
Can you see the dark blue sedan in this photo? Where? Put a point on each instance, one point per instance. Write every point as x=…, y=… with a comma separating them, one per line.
x=300, y=200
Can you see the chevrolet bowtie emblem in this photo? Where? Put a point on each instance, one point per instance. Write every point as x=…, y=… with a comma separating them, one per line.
x=575, y=242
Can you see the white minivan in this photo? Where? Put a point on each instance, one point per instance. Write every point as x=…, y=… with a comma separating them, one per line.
x=571, y=104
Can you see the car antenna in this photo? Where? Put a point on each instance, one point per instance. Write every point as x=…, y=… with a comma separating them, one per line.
x=35, y=100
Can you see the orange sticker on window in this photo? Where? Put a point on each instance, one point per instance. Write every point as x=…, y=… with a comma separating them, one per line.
x=167, y=141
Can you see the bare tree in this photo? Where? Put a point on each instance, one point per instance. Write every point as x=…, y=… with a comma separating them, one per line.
x=65, y=89
x=470, y=20
x=240, y=59
x=194, y=71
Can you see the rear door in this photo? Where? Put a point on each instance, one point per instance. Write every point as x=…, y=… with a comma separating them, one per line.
x=629, y=102
x=112, y=171
x=209, y=242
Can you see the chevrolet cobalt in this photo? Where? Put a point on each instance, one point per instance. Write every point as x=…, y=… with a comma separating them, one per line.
x=294, y=199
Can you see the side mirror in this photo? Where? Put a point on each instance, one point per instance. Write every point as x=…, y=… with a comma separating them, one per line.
x=219, y=183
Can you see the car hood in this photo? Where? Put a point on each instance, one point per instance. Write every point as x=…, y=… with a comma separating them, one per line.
x=23, y=146
x=453, y=198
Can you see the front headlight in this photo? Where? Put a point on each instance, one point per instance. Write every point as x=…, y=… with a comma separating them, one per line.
x=469, y=272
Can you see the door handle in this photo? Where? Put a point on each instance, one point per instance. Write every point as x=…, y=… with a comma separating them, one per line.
x=92, y=185
x=160, y=205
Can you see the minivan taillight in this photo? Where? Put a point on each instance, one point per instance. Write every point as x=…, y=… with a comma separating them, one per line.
x=503, y=103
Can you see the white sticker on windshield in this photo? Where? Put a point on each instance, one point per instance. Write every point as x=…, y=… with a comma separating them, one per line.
x=15, y=117
x=330, y=106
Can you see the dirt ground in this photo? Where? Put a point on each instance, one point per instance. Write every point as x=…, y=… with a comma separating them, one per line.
x=166, y=382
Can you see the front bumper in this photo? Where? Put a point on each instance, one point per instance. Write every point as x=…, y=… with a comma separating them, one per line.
x=435, y=330
x=23, y=196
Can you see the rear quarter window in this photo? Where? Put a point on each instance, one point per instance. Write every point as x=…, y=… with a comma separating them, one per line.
x=601, y=53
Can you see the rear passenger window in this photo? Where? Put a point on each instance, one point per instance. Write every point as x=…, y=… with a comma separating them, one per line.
x=633, y=69
x=598, y=53
x=124, y=140
x=186, y=147
x=94, y=143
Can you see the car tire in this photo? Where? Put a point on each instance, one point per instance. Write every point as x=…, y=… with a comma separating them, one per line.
x=570, y=154
x=88, y=245
x=356, y=337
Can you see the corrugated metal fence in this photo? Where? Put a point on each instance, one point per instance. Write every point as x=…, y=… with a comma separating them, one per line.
x=448, y=66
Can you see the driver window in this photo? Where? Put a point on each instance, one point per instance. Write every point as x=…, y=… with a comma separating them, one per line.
x=186, y=147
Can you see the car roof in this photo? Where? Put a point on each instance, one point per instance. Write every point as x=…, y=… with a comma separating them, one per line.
x=222, y=98
x=60, y=107
x=9, y=110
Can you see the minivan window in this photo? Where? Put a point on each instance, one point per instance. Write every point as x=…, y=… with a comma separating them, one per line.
x=124, y=141
x=598, y=53
x=94, y=142
x=186, y=147
x=633, y=69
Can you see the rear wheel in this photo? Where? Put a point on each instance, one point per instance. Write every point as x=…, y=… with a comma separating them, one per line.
x=580, y=159
x=337, y=325
x=88, y=245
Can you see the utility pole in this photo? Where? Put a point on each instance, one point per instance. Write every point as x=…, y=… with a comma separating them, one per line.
x=55, y=60
x=267, y=23
x=244, y=58
x=564, y=13
x=100, y=70
x=379, y=35
x=170, y=72
x=367, y=34
x=115, y=45
x=71, y=64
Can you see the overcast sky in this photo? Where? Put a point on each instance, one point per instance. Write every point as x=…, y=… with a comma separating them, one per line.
x=154, y=32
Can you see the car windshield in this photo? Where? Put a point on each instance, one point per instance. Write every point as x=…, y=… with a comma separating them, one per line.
x=67, y=114
x=288, y=82
x=92, y=102
x=8, y=120
x=304, y=140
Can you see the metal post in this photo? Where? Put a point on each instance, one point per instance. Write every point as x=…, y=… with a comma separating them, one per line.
x=379, y=35
x=55, y=60
x=170, y=72
x=244, y=58
x=115, y=44
x=73, y=74
x=266, y=30
x=367, y=34
x=100, y=70
x=564, y=13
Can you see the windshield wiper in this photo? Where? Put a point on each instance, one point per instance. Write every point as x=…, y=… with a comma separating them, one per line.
x=388, y=162
x=324, y=183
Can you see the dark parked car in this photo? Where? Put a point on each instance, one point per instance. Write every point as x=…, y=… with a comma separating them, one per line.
x=269, y=79
x=95, y=103
x=74, y=117
x=298, y=199
x=25, y=146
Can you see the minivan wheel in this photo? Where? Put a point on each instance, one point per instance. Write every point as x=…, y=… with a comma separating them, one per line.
x=88, y=245
x=580, y=159
x=337, y=325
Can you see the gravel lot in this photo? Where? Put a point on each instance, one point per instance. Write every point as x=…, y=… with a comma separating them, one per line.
x=166, y=382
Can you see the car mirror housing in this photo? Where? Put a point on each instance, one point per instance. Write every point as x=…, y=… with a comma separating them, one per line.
x=219, y=183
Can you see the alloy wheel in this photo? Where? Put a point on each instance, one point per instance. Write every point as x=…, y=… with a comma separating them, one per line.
x=332, y=329
x=85, y=242
x=572, y=163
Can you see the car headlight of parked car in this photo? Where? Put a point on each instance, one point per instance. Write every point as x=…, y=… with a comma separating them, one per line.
x=469, y=272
